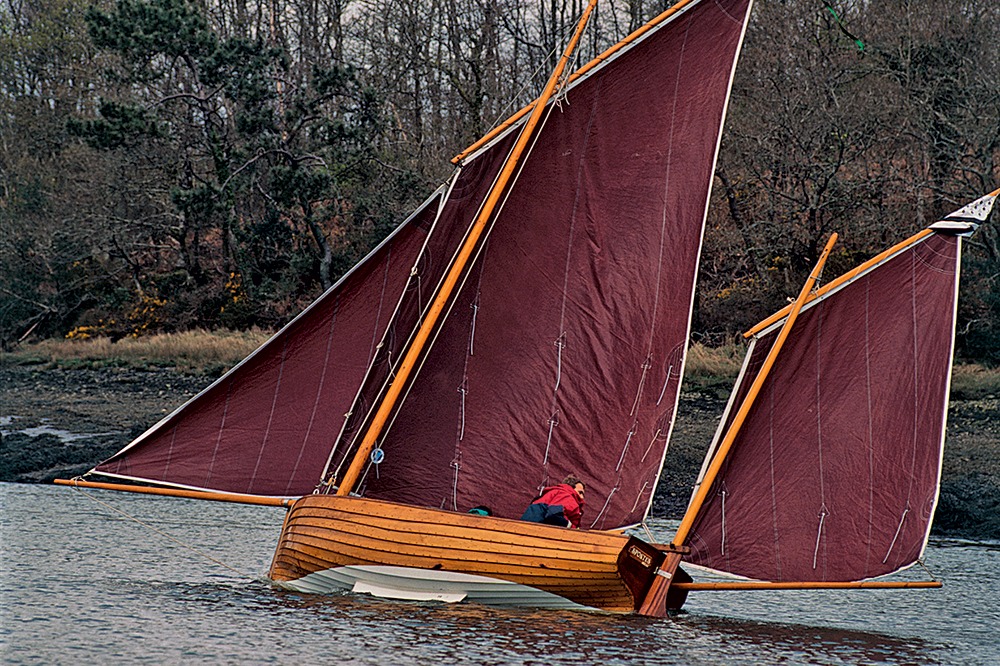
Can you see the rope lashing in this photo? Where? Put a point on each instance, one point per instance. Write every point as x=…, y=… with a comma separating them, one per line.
x=559, y=344
x=553, y=422
x=457, y=466
x=649, y=448
x=604, y=508
x=646, y=365
x=823, y=513
x=899, y=529
x=462, y=390
x=628, y=440
x=722, y=546
x=472, y=332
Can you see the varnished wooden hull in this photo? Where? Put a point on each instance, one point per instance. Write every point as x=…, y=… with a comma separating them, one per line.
x=409, y=552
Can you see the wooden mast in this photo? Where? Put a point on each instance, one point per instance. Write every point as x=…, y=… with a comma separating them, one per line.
x=720, y=456
x=655, y=602
x=458, y=267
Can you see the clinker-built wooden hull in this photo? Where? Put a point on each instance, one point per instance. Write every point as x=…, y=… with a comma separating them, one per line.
x=333, y=543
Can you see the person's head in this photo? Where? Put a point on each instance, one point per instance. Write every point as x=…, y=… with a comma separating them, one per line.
x=481, y=510
x=576, y=484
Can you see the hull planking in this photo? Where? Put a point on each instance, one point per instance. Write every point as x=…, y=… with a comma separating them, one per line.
x=331, y=543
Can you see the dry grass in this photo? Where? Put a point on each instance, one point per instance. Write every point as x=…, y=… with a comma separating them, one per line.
x=211, y=352
x=718, y=367
x=207, y=352
x=713, y=366
x=971, y=381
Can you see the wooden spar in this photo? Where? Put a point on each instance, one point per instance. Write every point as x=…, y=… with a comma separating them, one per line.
x=457, y=268
x=179, y=492
x=499, y=129
x=720, y=456
x=850, y=275
x=806, y=585
x=846, y=277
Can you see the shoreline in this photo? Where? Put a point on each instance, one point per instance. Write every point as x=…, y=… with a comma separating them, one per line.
x=77, y=417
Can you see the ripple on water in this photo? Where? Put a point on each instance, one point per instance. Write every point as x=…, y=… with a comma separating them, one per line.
x=78, y=582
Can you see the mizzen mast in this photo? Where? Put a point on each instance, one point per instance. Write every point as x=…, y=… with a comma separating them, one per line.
x=720, y=456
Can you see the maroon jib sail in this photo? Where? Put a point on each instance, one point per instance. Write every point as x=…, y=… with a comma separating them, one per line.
x=563, y=349
x=834, y=474
x=267, y=426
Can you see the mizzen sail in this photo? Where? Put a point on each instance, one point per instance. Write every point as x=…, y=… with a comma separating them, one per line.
x=834, y=474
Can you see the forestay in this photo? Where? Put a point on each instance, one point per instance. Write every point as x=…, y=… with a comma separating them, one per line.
x=834, y=474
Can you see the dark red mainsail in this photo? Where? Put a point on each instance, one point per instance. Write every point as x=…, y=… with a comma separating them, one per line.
x=563, y=351
x=834, y=474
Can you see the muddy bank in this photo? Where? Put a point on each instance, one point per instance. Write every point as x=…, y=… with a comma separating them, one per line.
x=58, y=423
x=62, y=422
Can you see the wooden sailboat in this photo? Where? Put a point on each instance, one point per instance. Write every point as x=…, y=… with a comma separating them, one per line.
x=530, y=320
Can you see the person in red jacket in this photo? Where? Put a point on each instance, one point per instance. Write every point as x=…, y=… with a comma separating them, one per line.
x=561, y=504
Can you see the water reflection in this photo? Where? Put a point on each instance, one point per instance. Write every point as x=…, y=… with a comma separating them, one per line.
x=468, y=633
x=802, y=643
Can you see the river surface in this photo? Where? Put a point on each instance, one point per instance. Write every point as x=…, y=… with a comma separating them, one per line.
x=81, y=583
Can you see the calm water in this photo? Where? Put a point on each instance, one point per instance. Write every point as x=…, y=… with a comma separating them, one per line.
x=80, y=584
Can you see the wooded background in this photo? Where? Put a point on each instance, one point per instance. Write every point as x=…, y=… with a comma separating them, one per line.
x=169, y=164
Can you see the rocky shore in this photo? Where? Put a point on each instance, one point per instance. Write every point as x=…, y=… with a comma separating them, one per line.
x=59, y=423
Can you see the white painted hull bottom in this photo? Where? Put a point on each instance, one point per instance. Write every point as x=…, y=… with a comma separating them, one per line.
x=407, y=583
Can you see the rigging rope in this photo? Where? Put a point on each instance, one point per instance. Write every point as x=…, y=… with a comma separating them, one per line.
x=506, y=110
x=604, y=508
x=899, y=529
x=649, y=535
x=819, y=533
x=114, y=509
x=923, y=565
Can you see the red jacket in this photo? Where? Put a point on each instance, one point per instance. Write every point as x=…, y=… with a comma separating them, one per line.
x=566, y=496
